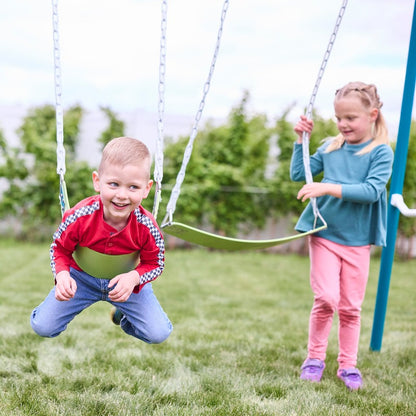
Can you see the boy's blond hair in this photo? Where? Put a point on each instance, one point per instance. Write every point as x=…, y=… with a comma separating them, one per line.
x=125, y=151
x=368, y=95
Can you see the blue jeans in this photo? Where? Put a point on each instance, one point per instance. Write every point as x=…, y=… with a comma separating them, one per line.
x=143, y=317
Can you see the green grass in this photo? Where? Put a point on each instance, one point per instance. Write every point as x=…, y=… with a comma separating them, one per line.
x=240, y=332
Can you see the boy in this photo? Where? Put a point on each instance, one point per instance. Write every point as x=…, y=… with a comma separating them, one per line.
x=112, y=223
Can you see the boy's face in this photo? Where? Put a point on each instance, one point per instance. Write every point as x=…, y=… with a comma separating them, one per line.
x=122, y=189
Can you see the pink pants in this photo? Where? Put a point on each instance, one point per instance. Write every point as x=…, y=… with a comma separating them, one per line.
x=338, y=280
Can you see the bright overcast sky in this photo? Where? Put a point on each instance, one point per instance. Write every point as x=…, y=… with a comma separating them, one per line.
x=272, y=48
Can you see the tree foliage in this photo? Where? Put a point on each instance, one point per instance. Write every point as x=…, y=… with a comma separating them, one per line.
x=407, y=225
x=115, y=127
x=29, y=170
x=237, y=177
x=225, y=185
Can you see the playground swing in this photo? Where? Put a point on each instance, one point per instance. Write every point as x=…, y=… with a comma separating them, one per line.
x=192, y=234
x=104, y=266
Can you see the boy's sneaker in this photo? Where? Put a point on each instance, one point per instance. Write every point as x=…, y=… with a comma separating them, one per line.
x=116, y=315
x=351, y=377
x=312, y=370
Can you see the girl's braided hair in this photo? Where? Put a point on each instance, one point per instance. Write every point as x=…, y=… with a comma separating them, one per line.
x=368, y=95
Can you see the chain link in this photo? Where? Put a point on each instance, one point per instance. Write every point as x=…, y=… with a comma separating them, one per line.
x=60, y=150
x=326, y=58
x=158, y=171
x=188, y=150
x=305, y=136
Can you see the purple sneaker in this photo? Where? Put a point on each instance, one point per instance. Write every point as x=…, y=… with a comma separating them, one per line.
x=351, y=377
x=312, y=370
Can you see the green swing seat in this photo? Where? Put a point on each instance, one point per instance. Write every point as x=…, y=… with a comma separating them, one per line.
x=206, y=239
x=105, y=266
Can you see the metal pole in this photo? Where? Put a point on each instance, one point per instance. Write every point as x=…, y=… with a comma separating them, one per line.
x=396, y=187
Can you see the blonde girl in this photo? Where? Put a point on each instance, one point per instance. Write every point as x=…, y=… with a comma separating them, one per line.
x=352, y=199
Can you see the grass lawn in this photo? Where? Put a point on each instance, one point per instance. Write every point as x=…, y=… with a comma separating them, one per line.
x=240, y=332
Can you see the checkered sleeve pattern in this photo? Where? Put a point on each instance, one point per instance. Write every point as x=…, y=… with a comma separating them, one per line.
x=156, y=234
x=70, y=219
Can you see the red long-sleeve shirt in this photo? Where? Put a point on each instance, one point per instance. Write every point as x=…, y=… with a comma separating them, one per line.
x=84, y=225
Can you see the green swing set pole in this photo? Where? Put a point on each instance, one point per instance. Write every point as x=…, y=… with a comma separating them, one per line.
x=396, y=187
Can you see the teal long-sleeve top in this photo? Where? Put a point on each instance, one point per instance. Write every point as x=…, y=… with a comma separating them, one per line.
x=360, y=216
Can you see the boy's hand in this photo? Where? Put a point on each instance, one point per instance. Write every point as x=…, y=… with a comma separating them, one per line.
x=65, y=287
x=124, y=284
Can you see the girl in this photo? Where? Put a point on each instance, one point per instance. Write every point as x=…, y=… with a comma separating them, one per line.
x=352, y=199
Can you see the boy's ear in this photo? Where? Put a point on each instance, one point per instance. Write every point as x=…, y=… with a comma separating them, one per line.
x=148, y=188
x=96, y=181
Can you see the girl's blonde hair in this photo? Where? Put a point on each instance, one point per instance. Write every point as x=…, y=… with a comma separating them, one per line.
x=123, y=151
x=368, y=95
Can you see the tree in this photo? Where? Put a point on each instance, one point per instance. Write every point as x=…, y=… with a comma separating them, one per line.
x=115, y=126
x=407, y=225
x=30, y=171
x=227, y=164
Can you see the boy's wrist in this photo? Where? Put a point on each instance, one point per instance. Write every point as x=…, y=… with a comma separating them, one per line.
x=136, y=275
x=62, y=273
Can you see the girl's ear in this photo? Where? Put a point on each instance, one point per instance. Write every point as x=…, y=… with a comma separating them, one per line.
x=374, y=114
x=96, y=181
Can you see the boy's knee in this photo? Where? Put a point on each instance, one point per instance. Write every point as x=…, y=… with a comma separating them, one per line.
x=161, y=336
x=42, y=329
x=157, y=337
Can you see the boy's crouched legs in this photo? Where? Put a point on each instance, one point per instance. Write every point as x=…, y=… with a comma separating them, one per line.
x=51, y=317
x=144, y=318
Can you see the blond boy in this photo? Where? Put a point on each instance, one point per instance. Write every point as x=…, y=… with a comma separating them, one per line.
x=113, y=222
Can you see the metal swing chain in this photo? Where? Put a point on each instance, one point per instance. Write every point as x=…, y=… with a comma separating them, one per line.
x=305, y=136
x=60, y=150
x=188, y=150
x=158, y=171
x=58, y=91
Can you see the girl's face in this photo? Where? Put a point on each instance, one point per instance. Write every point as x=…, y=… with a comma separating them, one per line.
x=354, y=121
x=122, y=190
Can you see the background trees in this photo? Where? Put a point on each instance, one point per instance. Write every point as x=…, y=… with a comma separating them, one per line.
x=225, y=186
x=407, y=225
x=237, y=178
x=29, y=171
x=115, y=126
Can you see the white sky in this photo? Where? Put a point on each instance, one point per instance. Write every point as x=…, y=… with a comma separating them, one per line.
x=272, y=48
